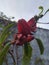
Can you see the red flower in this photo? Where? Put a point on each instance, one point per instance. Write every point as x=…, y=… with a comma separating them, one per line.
x=23, y=27
x=24, y=31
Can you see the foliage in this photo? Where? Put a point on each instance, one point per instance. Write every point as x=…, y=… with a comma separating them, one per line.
x=4, y=48
x=40, y=44
x=3, y=53
x=5, y=33
x=27, y=54
x=3, y=16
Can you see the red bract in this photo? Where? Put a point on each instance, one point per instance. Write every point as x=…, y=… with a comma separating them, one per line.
x=23, y=27
x=20, y=39
x=32, y=24
x=24, y=34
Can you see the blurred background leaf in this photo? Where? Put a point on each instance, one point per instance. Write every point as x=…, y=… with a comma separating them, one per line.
x=4, y=52
x=5, y=33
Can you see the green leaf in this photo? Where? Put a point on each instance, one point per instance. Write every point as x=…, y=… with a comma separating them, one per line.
x=27, y=54
x=4, y=38
x=40, y=44
x=5, y=33
x=4, y=52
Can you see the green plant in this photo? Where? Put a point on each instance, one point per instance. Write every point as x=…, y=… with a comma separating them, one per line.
x=23, y=37
x=4, y=48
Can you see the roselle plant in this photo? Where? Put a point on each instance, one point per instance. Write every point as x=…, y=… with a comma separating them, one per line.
x=25, y=34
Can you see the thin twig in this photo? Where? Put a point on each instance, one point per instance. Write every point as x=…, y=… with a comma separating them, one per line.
x=12, y=57
x=17, y=53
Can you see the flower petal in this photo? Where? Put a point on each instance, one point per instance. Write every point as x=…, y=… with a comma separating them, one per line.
x=23, y=27
x=29, y=38
x=32, y=24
